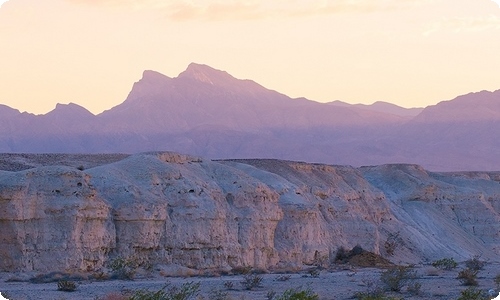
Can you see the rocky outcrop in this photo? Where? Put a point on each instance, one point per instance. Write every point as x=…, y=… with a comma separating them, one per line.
x=177, y=210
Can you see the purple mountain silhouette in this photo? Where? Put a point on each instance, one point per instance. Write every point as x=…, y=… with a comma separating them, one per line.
x=210, y=113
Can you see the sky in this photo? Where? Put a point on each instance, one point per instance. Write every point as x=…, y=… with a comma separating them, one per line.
x=412, y=53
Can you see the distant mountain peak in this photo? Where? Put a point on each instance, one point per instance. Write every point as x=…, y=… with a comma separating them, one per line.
x=153, y=76
x=69, y=109
x=206, y=74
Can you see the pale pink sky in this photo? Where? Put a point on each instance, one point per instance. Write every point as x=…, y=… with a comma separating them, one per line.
x=90, y=52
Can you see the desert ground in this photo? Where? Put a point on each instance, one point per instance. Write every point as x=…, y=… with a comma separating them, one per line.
x=343, y=282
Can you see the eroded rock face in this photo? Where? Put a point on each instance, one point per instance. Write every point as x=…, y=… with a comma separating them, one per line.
x=178, y=210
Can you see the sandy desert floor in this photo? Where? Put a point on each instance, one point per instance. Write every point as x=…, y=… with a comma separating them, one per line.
x=334, y=284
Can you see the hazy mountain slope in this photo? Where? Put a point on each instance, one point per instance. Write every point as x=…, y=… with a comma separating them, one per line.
x=473, y=107
x=203, y=96
x=208, y=112
x=383, y=107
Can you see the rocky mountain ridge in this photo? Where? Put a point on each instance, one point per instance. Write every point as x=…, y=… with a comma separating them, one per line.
x=209, y=113
x=78, y=212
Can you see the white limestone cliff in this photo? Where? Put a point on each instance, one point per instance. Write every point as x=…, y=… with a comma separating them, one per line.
x=178, y=210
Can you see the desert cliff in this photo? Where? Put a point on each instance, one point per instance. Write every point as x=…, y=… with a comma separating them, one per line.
x=76, y=213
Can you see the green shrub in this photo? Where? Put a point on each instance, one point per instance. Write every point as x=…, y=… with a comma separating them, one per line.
x=445, y=264
x=251, y=281
x=468, y=277
x=66, y=286
x=124, y=268
x=217, y=294
x=186, y=291
x=295, y=294
x=472, y=293
x=395, y=278
x=378, y=295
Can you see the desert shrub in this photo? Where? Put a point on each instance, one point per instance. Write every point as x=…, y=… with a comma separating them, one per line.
x=468, y=277
x=497, y=280
x=6, y=295
x=395, y=278
x=217, y=294
x=414, y=288
x=475, y=264
x=186, y=291
x=342, y=255
x=294, y=294
x=391, y=243
x=251, y=281
x=242, y=270
x=66, y=286
x=472, y=293
x=283, y=277
x=229, y=285
x=314, y=273
x=376, y=295
x=113, y=296
x=445, y=264
x=124, y=268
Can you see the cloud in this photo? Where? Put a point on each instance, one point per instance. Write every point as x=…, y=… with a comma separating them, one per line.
x=2, y=2
x=465, y=24
x=213, y=10
x=497, y=2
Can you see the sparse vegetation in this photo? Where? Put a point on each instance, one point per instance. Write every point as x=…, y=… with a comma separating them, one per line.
x=445, y=264
x=66, y=286
x=472, y=293
x=294, y=294
x=229, y=285
x=475, y=264
x=414, y=288
x=217, y=294
x=497, y=280
x=394, y=279
x=314, y=273
x=283, y=277
x=185, y=292
x=468, y=277
x=124, y=268
x=391, y=243
x=251, y=281
x=375, y=295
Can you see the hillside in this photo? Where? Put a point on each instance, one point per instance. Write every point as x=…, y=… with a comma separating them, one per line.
x=209, y=113
x=172, y=209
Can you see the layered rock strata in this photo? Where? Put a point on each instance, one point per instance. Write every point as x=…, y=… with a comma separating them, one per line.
x=172, y=209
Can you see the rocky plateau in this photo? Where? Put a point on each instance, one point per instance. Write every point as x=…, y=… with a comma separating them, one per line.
x=75, y=213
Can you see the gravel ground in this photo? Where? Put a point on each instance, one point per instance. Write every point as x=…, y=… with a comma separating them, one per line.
x=337, y=284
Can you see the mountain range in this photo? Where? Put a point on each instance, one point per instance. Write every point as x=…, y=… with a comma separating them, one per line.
x=209, y=113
